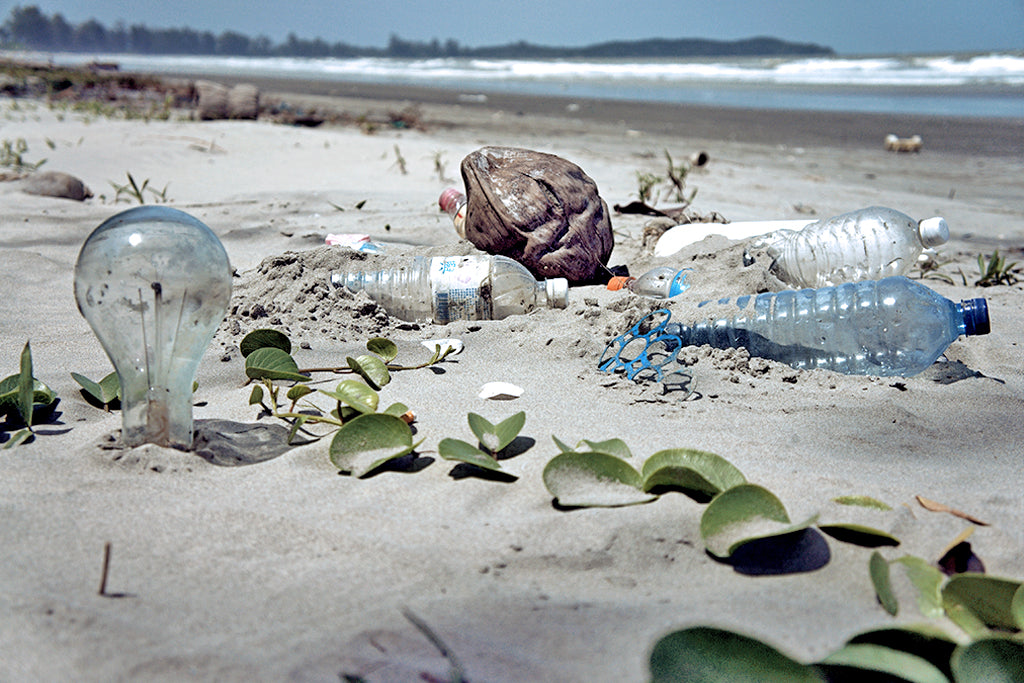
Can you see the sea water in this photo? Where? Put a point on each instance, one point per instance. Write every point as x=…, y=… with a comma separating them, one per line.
x=972, y=85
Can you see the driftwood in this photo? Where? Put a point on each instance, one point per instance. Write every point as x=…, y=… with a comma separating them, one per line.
x=538, y=209
x=218, y=101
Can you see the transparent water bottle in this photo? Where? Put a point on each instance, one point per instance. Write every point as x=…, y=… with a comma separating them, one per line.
x=868, y=244
x=893, y=326
x=446, y=288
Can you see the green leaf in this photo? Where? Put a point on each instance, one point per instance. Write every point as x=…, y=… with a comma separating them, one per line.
x=496, y=437
x=368, y=441
x=922, y=640
x=272, y=363
x=26, y=386
x=264, y=339
x=987, y=597
x=593, y=480
x=356, y=395
x=990, y=660
x=1017, y=607
x=862, y=501
x=927, y=579
x=371, y=368
x=19, y=437
x=396, y=409
x=878, y=568
x=710, y=655
x=111, y=386
x=385, y=348
x=454, y=449
x=298, y=391
x=859, y=534
x=92, y=388
x=562, y=446
x=869, y=657
x=742, y=514
x=697, y=473
x=616, y=447
x=256, y=395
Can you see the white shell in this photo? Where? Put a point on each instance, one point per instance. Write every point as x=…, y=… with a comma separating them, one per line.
x=500, y=391
x=454, y=344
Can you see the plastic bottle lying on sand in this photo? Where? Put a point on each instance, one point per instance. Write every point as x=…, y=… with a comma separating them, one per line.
x=893, y=326
x=868, y=244
x=446, y=288
x=453, y=203
x=658, y=283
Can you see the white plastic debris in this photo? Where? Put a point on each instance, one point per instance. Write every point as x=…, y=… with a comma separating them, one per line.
x=500, y=391
x=353, y=241
x=455, y=345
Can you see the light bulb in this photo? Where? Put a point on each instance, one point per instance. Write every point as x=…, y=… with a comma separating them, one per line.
x=154, y=283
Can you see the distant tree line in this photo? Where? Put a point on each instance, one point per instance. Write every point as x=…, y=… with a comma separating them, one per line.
x=28, y=27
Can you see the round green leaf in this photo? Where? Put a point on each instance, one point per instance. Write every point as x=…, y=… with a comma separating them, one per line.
x=988, y=598
x=695, y=472
x=298, y=391
x=1017, y=607
x=742, y=514
x=368, y=441
x=356, y=395
x=371, y=368
x=272, y=363
x=990, y=660
x=877, y=658
x=593, y=480
x=495, y=437
x=385, y=348
x=396, y=409
x=616, y=447
x=460, y=451
x=710, y=655
x=878, y=568
x=261, y=339
x=922, y=640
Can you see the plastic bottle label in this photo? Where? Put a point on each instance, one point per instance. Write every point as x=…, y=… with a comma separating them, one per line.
x=456, y=283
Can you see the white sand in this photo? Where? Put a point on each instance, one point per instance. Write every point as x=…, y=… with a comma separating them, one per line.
x=284, y=570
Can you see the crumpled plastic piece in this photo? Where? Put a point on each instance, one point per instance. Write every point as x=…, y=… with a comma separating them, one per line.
x=538, y=209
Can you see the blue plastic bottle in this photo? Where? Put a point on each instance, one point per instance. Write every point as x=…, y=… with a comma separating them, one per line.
x=893, y=326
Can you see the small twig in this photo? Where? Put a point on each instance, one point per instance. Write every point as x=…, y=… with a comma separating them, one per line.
x=106, y=569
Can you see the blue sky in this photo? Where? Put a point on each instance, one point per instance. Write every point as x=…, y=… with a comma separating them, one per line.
x=848, y=26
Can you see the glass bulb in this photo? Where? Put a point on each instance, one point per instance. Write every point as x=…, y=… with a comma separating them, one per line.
x=154, y=284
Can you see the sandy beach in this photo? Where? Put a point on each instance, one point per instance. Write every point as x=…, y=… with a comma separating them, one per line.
x=285, y=569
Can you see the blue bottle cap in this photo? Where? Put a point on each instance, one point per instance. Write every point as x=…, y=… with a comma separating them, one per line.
x=975, y=312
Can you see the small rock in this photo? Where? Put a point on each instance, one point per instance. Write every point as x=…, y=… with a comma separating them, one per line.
x=56, y=184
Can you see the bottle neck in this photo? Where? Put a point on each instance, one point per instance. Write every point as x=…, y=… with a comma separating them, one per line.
x=973, y=317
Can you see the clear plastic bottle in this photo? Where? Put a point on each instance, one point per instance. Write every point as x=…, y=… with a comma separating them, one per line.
x=658, y=283
x=453, y=203
x=868, y=244
x=893, y=326
x=446, y=288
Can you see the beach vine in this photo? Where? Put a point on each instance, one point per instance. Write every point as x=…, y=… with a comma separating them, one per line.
x=24, y=401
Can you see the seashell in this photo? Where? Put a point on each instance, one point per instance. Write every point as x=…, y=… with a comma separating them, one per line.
x=500, y=391
x=454, y=344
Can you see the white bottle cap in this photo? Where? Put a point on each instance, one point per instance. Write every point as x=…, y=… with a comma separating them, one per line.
x=557, y=289
x=933, y=231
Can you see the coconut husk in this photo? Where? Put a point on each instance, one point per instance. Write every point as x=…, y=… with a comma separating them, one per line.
x=538, y=209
